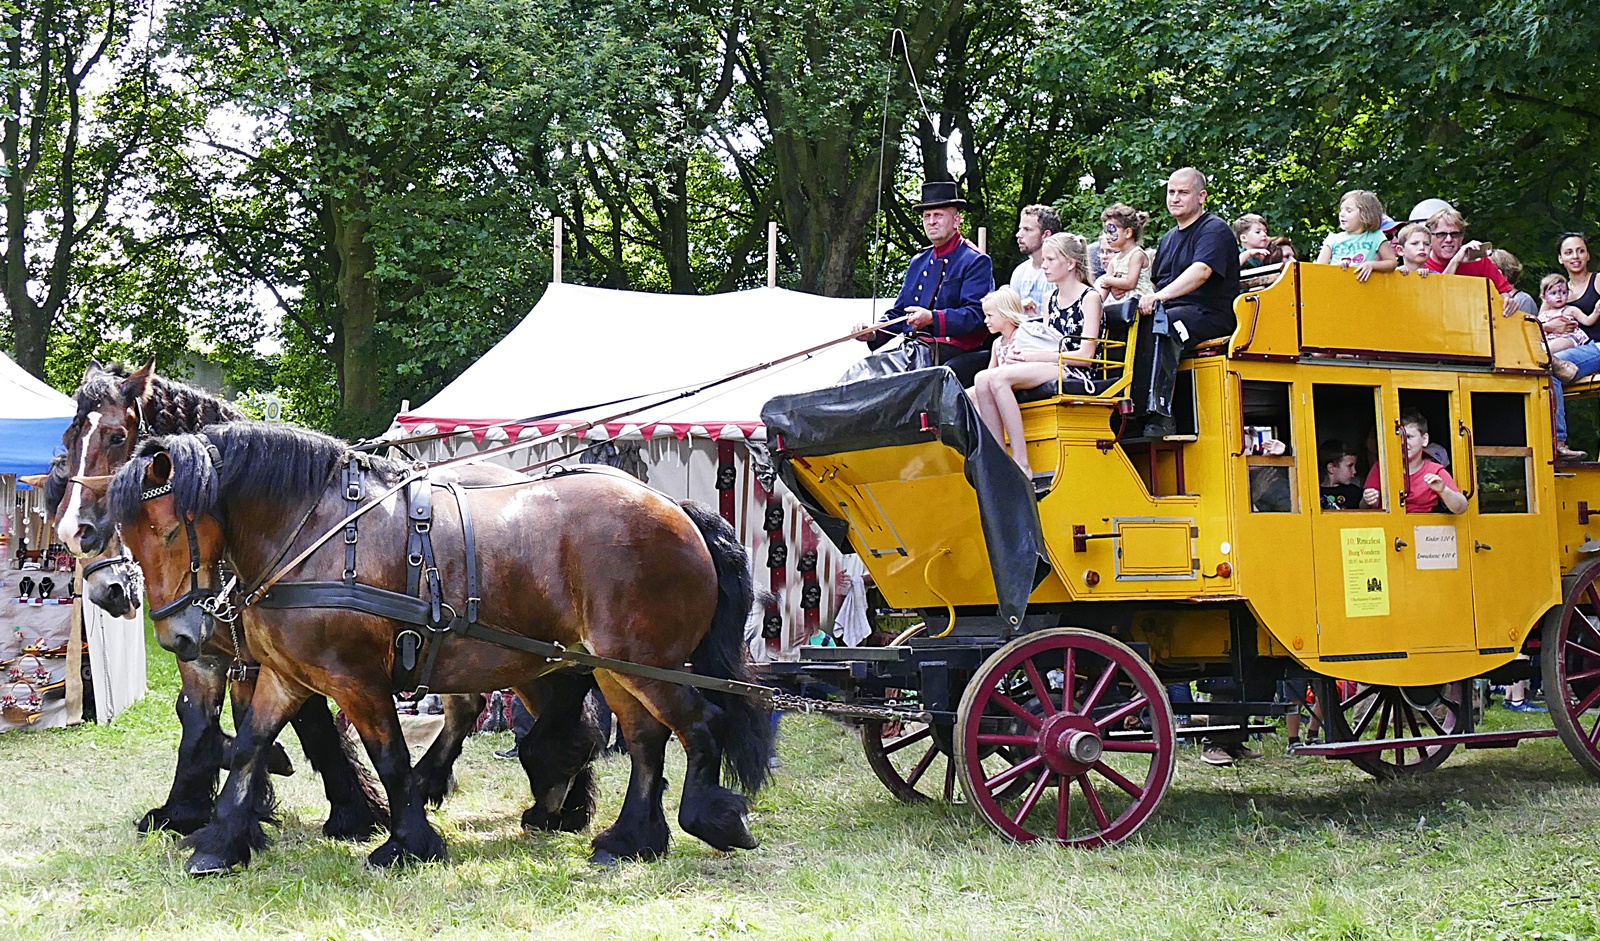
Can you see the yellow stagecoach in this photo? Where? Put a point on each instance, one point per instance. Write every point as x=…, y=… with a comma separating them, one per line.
x=1051, y=625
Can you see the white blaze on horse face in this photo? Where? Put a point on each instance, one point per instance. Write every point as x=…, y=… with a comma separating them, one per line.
x=67, y=524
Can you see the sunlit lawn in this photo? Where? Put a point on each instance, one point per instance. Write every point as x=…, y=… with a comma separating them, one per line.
x=1495, y=844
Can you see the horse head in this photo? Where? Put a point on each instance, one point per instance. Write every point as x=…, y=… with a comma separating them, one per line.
x=103, y=434
x=161, y=501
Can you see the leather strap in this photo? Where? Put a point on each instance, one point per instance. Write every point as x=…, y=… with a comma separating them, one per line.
x=470, y=546
x=354, y=492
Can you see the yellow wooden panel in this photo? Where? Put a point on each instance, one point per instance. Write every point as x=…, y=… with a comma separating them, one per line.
x=1440, y=315
x=1155, y=548
x=1518, y=341
x=1269, y=319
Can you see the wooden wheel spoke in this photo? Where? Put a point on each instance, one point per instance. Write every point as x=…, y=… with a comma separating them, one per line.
x=1587, y=701
x=1010, y=705
x=1100, y=687
x=1063, y=807
x=1411, y=721
x=1586, y=651
x=1040, y=687
x=1594, y=733
x=890, y=748
x=1362, y=693
x=950, y=780
x=1144, y=748
x=1366, y=719
x=1093, y=800
x=1434, y=723
x=1012, y=773
x=995, y=738
x=1115, y=777
x=1068, y=679
x=1384, y=712
x=1031, y=799
x=1122, y=712
x=1585, y=675
x=921, y=766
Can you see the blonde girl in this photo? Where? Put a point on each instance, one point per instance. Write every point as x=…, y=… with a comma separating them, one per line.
x=1359, y=243
x=1127, y=265
x=1003, y=313
x=1071, y=329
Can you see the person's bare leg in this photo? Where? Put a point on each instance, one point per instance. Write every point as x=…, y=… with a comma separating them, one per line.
x=983, y=394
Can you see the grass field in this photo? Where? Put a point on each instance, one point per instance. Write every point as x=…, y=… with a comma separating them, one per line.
x=1496, y=844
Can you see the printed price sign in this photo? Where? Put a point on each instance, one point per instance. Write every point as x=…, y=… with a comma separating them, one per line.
x=1436, y=547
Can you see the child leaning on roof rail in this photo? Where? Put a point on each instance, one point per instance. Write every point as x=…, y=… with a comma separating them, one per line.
x=1359, y=243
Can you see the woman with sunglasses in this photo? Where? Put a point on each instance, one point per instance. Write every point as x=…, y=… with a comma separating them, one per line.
x=1127, y=265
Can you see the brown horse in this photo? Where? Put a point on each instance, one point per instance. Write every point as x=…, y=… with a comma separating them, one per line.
x=590, y=561
x=117, y=407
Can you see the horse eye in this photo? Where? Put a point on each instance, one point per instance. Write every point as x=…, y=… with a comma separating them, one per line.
x=118, y=438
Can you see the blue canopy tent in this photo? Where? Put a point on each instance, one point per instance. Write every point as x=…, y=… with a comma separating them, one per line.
x=32, y=419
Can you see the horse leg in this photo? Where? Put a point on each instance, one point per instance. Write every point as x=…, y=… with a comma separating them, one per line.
x=239, y=693
x=246, y=797
x=433, y=771
x=355, y=809
x=558, y=751
x=411, y=837
x=640, y=831
x=714, y=813
x=200, y=750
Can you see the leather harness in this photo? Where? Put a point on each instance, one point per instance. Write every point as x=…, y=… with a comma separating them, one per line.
x=427, y=619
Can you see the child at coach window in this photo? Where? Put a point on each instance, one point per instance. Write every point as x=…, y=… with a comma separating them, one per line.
x=1414, y=244
x=1428, y=486
x=1254, y=244
x=1339, y=490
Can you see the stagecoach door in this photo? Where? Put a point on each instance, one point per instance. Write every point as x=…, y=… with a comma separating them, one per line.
x=1388, y=582
x=1515, y=570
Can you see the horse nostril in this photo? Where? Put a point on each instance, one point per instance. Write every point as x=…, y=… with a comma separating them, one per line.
x=89, y=537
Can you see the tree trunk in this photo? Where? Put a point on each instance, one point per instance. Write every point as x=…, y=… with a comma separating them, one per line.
x=358, y=309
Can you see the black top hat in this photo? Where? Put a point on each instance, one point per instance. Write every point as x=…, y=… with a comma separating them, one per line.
x=938, y=194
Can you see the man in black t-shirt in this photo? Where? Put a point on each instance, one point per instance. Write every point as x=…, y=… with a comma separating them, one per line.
x=1196, y=279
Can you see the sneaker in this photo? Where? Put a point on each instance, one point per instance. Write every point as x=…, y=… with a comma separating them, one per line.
x=1242, y=752
x=1563, y=370
x=1523, y=706
x=509, y=754
x=1216, y=755
x=1564, y=453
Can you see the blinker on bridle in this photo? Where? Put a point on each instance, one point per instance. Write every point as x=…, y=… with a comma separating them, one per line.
x=216, y=606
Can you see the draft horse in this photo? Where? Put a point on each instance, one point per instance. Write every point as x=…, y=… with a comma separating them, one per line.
x=590, y=561
x=116, y=409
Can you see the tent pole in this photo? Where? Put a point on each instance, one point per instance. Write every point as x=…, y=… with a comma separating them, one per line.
x=556, y=255
x=772, y=254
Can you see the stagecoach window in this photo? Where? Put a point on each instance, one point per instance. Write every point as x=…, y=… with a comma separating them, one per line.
x=1269, y=447
x=1346, y=421
x=1500, y=447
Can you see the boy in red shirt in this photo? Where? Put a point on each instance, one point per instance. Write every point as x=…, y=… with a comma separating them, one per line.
x=1428, y=484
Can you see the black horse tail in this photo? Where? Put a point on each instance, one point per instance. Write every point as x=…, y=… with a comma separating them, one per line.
x=746, y=733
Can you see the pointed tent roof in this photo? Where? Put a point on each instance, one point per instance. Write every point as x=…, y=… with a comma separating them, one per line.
x=33, y=417
x=582, y=346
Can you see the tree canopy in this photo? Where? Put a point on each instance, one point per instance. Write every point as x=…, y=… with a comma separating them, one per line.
x=347, y=201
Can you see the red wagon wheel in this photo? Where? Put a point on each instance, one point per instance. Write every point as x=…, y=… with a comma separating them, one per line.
x=1374, y=713
x=1570, y=660
x=912, y=759
x=1102, y=739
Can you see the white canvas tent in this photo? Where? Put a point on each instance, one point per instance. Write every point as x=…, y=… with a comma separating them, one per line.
x=33, y=417
x=582, y=346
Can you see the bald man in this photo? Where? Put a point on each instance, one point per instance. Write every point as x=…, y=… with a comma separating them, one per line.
x=1196, y=279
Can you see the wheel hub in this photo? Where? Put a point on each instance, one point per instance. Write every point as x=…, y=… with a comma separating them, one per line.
x=1069, y=744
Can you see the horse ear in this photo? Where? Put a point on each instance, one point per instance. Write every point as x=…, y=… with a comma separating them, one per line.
x=93, y=368
x=96, y=485
x=35, y=481
x=136, y=388
x=159, y=470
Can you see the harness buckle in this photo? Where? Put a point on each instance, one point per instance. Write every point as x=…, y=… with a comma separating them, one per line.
x=239, y=671
x=421, y=526
x=352, y=492
x=414, y=559
x=350, y=537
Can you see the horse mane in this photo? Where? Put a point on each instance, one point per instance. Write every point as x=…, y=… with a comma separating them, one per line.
x=257, y=459
x=170, y=407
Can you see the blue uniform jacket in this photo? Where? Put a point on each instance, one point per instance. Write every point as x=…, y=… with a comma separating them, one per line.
x=952, y=285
